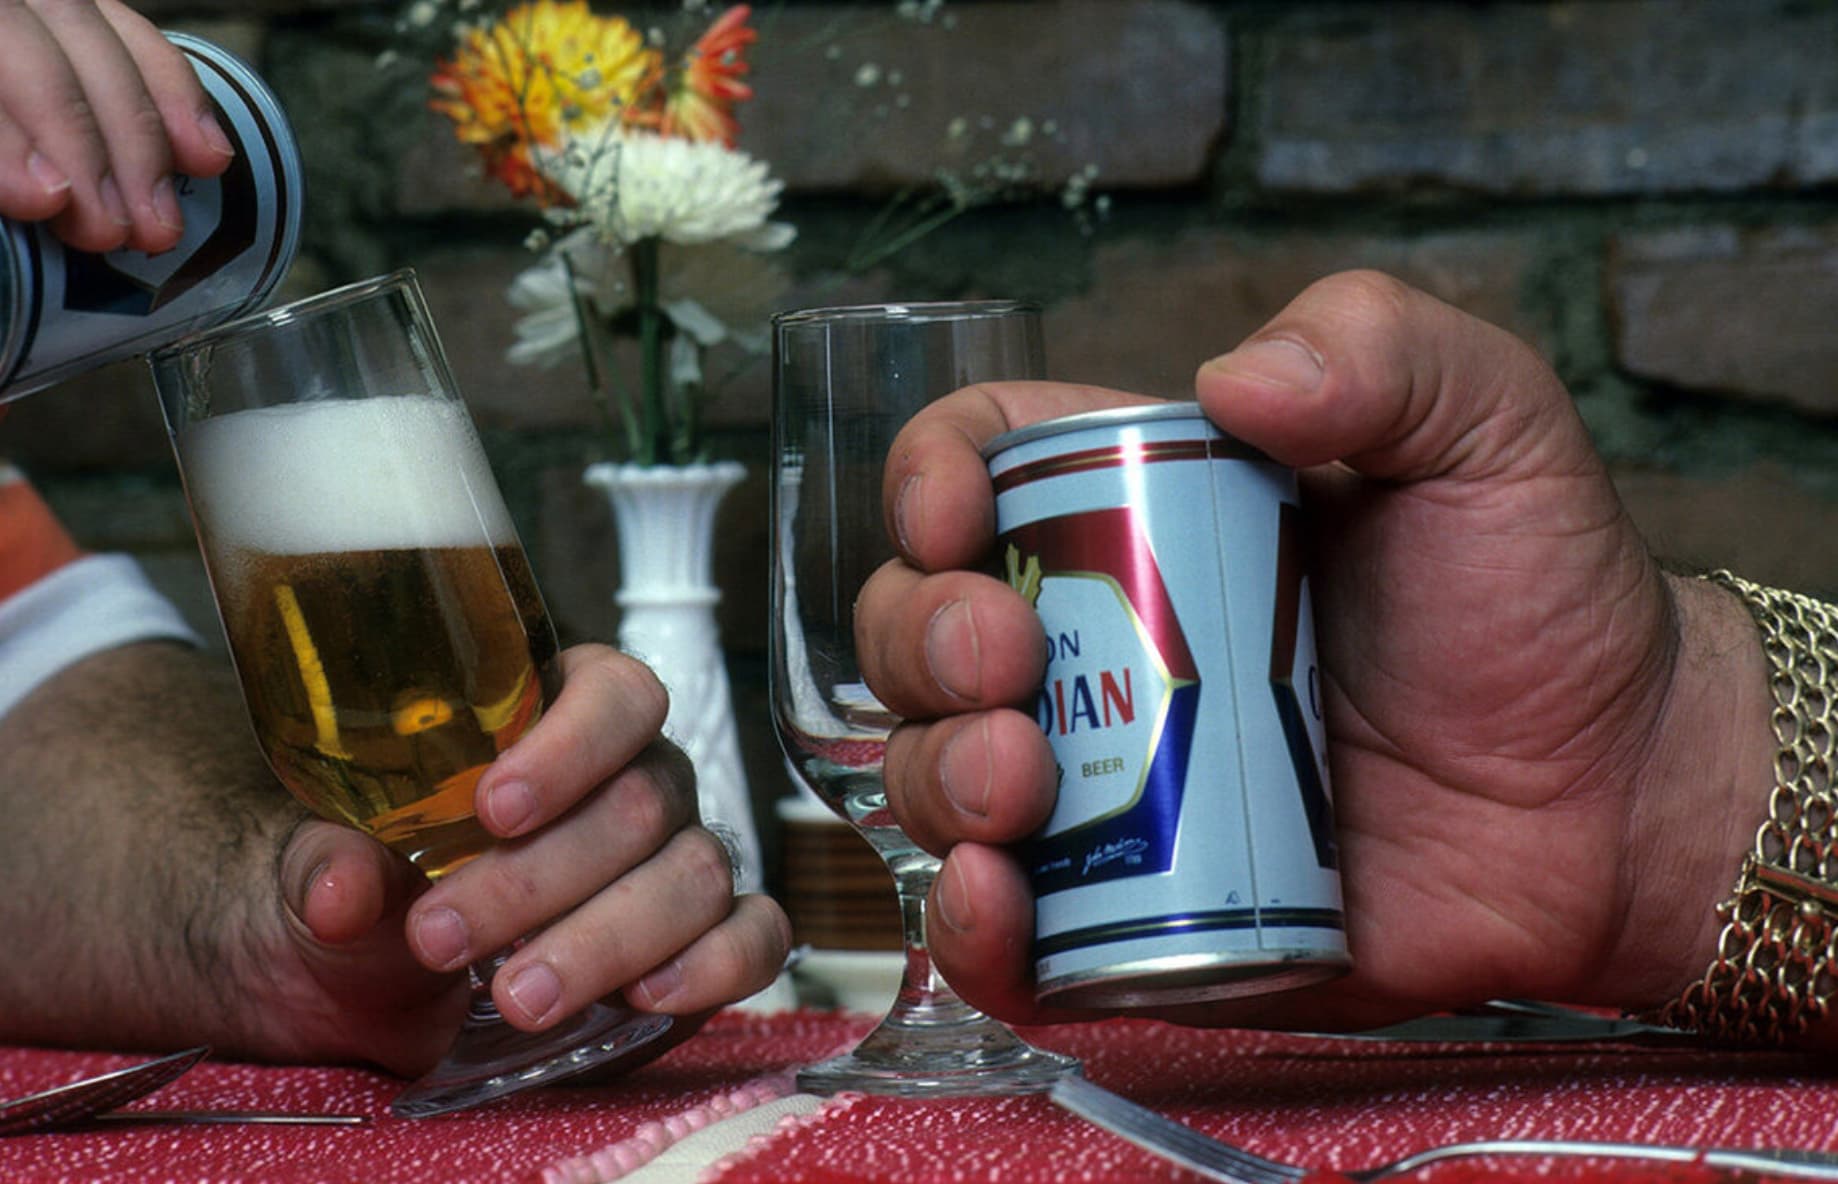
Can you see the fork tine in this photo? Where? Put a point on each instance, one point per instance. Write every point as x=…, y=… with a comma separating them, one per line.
x=1163, y=1135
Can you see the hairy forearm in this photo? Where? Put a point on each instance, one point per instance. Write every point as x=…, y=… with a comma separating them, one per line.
x=142, y=827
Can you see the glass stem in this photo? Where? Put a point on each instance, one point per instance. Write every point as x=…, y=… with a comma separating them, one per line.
x=925, y=997
x=920, y=981
x=480, y=1007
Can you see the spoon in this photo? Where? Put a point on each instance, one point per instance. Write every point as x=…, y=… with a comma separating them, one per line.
x=92, y=1098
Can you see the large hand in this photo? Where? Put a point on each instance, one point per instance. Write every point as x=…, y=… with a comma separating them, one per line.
x=96, y=111
x=1546, y=754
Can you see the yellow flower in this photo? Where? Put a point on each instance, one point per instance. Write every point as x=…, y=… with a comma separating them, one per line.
x=547, y=67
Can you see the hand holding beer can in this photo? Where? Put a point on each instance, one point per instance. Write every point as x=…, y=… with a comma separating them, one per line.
x=63, y=312
x=1191, y=855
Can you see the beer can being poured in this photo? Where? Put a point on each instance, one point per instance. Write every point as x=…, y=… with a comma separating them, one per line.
x=1191, y=855
x=63, y=312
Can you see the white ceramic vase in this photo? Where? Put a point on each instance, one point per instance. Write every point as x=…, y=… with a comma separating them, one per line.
x=665, y=517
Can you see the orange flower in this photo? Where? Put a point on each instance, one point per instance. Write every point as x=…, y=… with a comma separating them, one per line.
x=705, y=88
x=550, y=66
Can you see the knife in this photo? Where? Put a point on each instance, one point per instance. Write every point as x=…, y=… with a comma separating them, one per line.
x=1517, y=1021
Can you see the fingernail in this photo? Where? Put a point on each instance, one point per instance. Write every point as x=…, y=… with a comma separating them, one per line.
x=535, y=990
x=1274, y=361
x=49, y=177
x=964, y=769
x=213, y=134
x=908, y=505
x=298, y=888
x=166, y=205
x=112, y=204
x=952, y=653
x=442, y=939
x=954, y=906
x=660, y=984
x=508, y=807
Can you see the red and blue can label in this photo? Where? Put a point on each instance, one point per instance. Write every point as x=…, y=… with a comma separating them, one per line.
x=1191, y=855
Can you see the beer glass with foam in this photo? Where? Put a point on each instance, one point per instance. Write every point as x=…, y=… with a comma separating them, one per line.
x=386, y=629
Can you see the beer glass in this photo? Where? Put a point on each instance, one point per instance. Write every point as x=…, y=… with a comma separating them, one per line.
x=381, y=614
x=844, y=382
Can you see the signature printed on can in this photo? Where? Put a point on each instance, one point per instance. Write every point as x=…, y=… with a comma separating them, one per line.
x=1127, y=850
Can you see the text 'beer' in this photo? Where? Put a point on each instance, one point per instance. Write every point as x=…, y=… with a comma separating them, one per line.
x=389, y=635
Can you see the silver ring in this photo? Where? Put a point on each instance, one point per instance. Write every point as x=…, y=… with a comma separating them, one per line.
x=729, y=838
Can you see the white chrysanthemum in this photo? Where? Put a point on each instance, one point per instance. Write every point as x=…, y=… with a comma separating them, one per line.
x=712, y=293
x=550, y=329
x=636, y=185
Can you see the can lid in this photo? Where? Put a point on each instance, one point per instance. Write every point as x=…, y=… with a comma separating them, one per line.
x=218, y=67
x=15, y=309
x=1109, y=418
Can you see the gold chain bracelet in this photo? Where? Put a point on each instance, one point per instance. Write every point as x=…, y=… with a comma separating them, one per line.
x=1774, y=972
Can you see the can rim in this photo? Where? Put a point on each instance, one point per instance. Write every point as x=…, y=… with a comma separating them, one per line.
x=904, y=311
x=13, y=305
x=1108, y=417
x=288, y=166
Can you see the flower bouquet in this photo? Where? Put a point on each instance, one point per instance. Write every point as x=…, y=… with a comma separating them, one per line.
x=653, y=217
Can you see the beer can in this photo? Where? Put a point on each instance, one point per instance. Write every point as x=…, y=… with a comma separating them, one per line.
x=63, y=312
x=1191, y=855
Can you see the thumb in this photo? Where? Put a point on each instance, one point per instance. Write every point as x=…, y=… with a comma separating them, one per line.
x=1364, y=369
x=363, y=994
x=340, y=885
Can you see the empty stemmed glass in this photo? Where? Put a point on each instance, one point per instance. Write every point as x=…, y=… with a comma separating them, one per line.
x=386, y=629
x=845, y=381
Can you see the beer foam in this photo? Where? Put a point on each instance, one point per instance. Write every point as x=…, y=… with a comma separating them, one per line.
x=344, y=475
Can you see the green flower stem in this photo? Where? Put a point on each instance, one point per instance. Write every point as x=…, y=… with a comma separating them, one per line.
x=593, y=356
x=656, y=447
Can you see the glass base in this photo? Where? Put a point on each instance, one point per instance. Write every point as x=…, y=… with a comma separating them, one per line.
x=490, y=1059
x=977, y=1057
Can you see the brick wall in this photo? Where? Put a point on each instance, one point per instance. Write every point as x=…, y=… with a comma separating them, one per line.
x=1646, y=190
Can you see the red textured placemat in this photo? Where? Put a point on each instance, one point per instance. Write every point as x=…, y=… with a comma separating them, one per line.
x=1332, y=1104
x=736, y=1061
x=1328, y=1104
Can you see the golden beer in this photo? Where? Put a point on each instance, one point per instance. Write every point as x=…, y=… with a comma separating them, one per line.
x=384, y=622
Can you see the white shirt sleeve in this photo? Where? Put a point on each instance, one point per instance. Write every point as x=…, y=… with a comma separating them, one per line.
x=96, y=603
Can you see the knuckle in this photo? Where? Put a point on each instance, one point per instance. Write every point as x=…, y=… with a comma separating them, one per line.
x=644, y=694
x=507, y=881
x=647, y=805
x=626, y=679
x=729, y=950
x=1375, y=299
x=665, y=783
x=774, y=928
x=146, y=125
x=59, y=10
x=750, y=949
x=80, y=114
x=650, y=698
x=706, y=861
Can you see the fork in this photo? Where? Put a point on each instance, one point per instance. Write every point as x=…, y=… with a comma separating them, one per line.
x=1234, y=1165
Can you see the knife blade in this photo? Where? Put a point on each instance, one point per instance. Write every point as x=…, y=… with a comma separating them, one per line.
x=1516, y=1021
